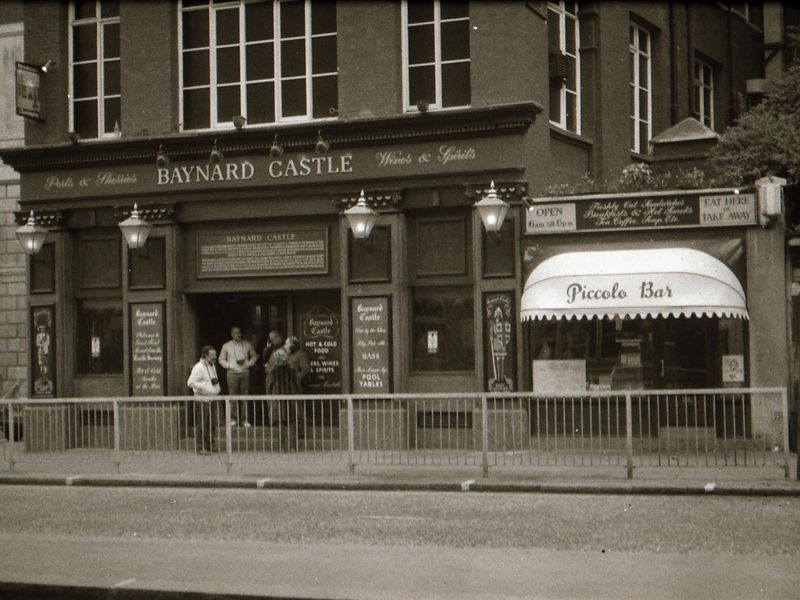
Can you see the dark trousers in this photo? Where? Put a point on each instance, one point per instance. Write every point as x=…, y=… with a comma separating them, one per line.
x=207, y=416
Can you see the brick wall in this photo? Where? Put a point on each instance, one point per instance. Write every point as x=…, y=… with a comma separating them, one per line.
x=13, y=292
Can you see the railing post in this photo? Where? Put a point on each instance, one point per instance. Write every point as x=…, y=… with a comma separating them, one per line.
x=786, y=454
x=351, y=443
x=117, y=426
x=629, y=434
x=228, y=433
x=484, y=436
x=11, y=458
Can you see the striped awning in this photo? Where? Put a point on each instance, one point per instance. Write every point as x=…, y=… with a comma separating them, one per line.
x=672, y=282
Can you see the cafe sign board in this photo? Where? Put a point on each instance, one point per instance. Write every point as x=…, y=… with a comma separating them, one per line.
x=29, y=82
x=369, y=319
x=657, y=211
x=147, y=349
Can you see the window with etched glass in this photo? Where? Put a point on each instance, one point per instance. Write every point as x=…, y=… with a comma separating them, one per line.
x=436, y=54
x=641, y=88
x=564, y=65
x=704, y=93
x=265, y=61
x=95, y=68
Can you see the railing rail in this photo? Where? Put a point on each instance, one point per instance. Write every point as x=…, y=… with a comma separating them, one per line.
x=721, y=427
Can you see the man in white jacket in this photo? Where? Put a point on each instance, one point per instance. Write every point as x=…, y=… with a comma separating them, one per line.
x=205, y=383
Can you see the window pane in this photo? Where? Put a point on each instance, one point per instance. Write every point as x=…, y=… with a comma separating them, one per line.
x=260, y=103
x=553, y=31
x=634, y=108
x=421, y=85
x=643, y=63
x=260, y=61
x=634, y=129
x=195, y=68
x=99, y=343
x=112, y=115
x=443, y=329
x=455, y=84
x=85, y=118
x=84, y=42
x=420, y=44
x=293, y=97
x=228, y=103
x=570, y=36
x=420, y=11
x=84, y=83
x=293, y=58
x=643, y=40
x=195, y=3
x=555, y=100
x=325, y=97
x=643, y=138
x=227, y=26
x=454, y=9
x=99, y=263
x=43, y=269
x=109, y=8
x=572, y=112
x=111, y=77
x=111, y=40
x=258, y=21
x=195, y=29
x=293, y=18
x=643, y=104
x=323, y=54
x=148, y=265
x=228, y=65
x=85, y=9
x=196, y=109
x=323, y=16
x=455, y=40
x=572, y=74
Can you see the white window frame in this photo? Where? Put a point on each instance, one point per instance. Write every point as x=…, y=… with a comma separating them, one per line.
x=100, y=61
x=636, y=116
x=437, y=58
x=704, y=82
x=276, y=78
x=560, y=9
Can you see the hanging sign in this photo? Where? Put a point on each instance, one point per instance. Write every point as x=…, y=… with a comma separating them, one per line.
x=642, y=212
x=29, y=81
x=147, y=349
x=371, y=344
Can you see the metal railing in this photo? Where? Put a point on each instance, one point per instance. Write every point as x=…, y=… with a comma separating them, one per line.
x=742, y=427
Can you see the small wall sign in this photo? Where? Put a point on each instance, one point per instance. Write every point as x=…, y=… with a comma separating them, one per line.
x=732, y=368
x=29, y=81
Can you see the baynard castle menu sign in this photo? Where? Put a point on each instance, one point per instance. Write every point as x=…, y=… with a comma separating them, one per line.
x=645, y=212
x=262, y=253
x=147, y=349
x=371, y=356
x=320, y=336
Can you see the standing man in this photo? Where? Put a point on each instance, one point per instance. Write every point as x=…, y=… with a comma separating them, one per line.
x=274, y=341
x=237, y=356
x=205, y=384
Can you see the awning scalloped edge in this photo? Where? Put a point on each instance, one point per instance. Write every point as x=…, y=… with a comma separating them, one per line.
x=586, y=314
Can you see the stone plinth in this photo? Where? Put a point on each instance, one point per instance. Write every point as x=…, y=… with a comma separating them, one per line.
x=507, y=429
x=376, y=429
x=148, y=427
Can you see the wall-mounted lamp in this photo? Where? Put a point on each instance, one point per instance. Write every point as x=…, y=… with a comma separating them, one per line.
x=239, y=121
x=162, y=160
x=216, y=155
x=74, y=137
x=275, y=150
x=361, y=217
x=492, y=210
x=322, y=145
x=48, y=66
x=135, y=229
x=31, y=236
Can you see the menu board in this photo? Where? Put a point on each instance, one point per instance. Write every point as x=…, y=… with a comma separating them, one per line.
x=147, y=349
x=370, y=322
x=262, y=253
x=321, y=340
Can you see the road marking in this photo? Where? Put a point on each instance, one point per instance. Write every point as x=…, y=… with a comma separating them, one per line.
x=465, y=485
x=709, y=487
x=399, y=518
x=123, y=583
x=71, y=480
x=262, y=482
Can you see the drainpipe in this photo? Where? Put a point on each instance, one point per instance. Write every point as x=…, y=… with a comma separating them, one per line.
x=673, y=71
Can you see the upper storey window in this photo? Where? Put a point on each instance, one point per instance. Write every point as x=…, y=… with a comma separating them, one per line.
x=94, y=72
x=266, y=61
x=641, y=88
x=704, y=92
x=565, y=66
x=436, y=54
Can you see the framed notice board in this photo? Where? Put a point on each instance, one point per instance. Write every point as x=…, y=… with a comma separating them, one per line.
x=148, y=352
x=370, y=322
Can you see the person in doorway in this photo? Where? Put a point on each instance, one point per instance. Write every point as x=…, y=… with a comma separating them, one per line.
x=274, y=341
x=299, y=363
x=237, y=356
x=204, y=382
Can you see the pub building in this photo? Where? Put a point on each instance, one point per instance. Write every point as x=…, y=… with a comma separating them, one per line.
x=394, y=223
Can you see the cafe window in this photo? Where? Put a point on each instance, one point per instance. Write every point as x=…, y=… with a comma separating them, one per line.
x=443, y=329
x=564, y=65
x=436, y=54
x=265, y=61
x=641, y=88
x=95, y=68
x=99, y=336
x=704, y=92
